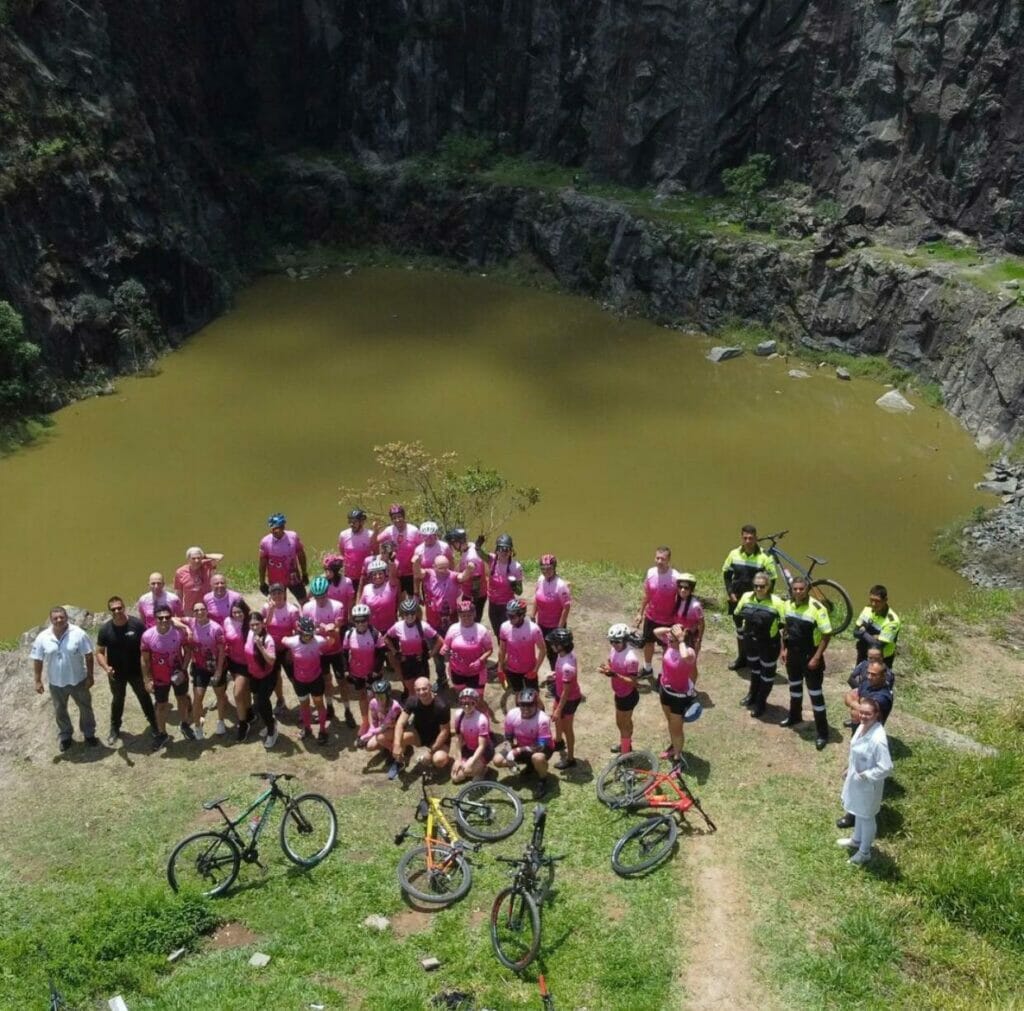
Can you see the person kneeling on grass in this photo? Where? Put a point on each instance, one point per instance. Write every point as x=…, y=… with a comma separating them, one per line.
x=424, y=723
x=527, y=740
x=384, y=712
x=677, y=685
x=472, y=731
x=568, y=695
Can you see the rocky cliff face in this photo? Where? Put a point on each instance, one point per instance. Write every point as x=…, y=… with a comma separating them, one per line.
x=128, y=129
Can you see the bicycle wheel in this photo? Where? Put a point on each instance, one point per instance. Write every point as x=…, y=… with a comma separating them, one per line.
x=644, y=845
x=309, y=829
x=488, y=811
x=515, y=928
x=625, y=777
x=207, y=861
x=439, y=877
x=836, y=601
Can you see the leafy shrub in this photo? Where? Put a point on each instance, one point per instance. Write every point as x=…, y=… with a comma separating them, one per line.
x=465, y=154
x=19, y=360
x=746, y=181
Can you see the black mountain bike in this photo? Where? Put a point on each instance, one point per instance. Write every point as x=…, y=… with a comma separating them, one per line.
x=210, y=860
x=826, y=591
x=515, y=915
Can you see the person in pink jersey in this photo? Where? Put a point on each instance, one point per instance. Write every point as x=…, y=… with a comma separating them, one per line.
x=504, y=580
x=568, y=696
x=282, y=559
x=467, y=646
x=406, y=537
x=429, y=549
x=282, y=618
x=441, y=596
x=677, y=685
x=157, y=595
x=355, y=544
x=236, y=631
x=527, y=740
x=384, y=712
x=192, y=581
x=220, y=599
x=164, y=653
x=364, y=657
x=470, y=569
x=380, y=595
x=411, y=642
x=551, y=602
x=472, y=732
x=688, y=611
x=339, y=586
x=622, y=669
x=208, y=650
x=521, y=648
x=307, y=650
x=329, y=615
x=385, y=554
x=658, y=603
x=260, y=654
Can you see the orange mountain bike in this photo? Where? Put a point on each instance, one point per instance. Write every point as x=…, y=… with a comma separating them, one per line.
x=633, y=782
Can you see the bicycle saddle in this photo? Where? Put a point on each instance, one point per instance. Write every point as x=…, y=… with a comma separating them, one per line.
x=818, y=561
x=211, y=804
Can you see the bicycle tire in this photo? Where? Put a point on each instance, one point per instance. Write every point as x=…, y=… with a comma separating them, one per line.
x=309, y=829
x=836, y=601
x=645, y=845
x=515, y=928
x=617, y=785
x=200, y=859
x=488, y=811
x=448, y=879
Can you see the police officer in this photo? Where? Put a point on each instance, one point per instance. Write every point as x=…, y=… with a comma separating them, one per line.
x=760, y=613
x=805, y=637
x=877, y=625
x=738, y=571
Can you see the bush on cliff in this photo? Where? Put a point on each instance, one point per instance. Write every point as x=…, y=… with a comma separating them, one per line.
x=19, y=360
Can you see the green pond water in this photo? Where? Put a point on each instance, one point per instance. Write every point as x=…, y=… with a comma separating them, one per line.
x=633, y=437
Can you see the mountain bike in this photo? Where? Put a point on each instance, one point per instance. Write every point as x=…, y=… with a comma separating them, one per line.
x=632, y=781
x=826, y=591
x=210, y=860
x=437, y=872
x=515, y=915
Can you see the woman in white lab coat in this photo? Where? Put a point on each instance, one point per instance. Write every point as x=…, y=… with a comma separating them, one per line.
x=865, y=778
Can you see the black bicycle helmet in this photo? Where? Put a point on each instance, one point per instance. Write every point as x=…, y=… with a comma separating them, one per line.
x=527, y=697
x=515, y=606
x=356, y=514
x=306, y=626
x=382, y=686
x=457, y=535
x=503, y=543
x=560, y=638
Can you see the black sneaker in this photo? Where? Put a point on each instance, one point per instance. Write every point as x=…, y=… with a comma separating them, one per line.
x=350, y=720
x=65, y=745
x=160, y=740
x=243, y=731
x=322, y=737
x=186, y=729
x=304, y=733
x=847, y=821
x=565, y=763
x=738, y=664
x=540, y=789
x=112, y=738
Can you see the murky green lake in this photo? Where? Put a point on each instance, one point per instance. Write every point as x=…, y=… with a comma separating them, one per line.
x=632, y=436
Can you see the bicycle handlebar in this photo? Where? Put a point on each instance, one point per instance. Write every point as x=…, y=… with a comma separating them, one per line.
x=773, y=537
x=270, y=777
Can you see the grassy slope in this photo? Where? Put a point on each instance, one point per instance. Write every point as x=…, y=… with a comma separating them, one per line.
x=936, y=922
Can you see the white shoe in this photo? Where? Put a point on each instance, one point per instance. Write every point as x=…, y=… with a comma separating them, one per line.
x=859, y=858
x=200, y=735
x=220, y=729
x=263, y=731
x=270, y=741
x=848, y=843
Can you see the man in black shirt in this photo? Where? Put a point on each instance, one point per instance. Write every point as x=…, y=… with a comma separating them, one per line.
x=118, y=650
x=424, y=723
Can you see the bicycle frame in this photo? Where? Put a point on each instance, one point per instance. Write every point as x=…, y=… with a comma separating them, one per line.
x=789, y=567
x=653, y=799
x=438, y=831
x=268, y=801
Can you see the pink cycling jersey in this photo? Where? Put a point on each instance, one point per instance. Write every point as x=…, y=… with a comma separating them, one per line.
x=383, y=604
x=660, y=595
x=475, y=586
x=343, y=592
x=552, y=597
x=355, y=548
x=466, y=645
x=677, y=668
x=206, y=642
x=192, y=587
x=440, y=596
x=234, y=639
x=691, y=618
x=521, y=645
x=405, y=541
x=281, y=621
x=258, y=667
x=148, y=603
x=382, y=717
x=282, y=557
x=471, y=726
x=426, y=554
x=499, y=589
x=408, y=639
x=166, y=653
x=362, y=652
x=219, y=608
x=332, y=613
x=623, y=661
x=523, y=733
x=305, y=656
x=567, y=683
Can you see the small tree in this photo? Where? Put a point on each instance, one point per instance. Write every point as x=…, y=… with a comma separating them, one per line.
x=18, y=367
x=137, y=323
x=432, y=487
x=746, y=182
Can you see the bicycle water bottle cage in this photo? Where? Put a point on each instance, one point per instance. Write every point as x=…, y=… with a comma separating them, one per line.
x=421, y=811
x=540, y=815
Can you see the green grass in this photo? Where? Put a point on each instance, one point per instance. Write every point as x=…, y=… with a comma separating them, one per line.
x=949, y=544
x=23, y=432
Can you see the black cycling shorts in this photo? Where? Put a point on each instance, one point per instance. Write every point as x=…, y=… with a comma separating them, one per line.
x=572, y=705
x=627, y=703
x=306, y=688
x=162, y=692
x=676, y=704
